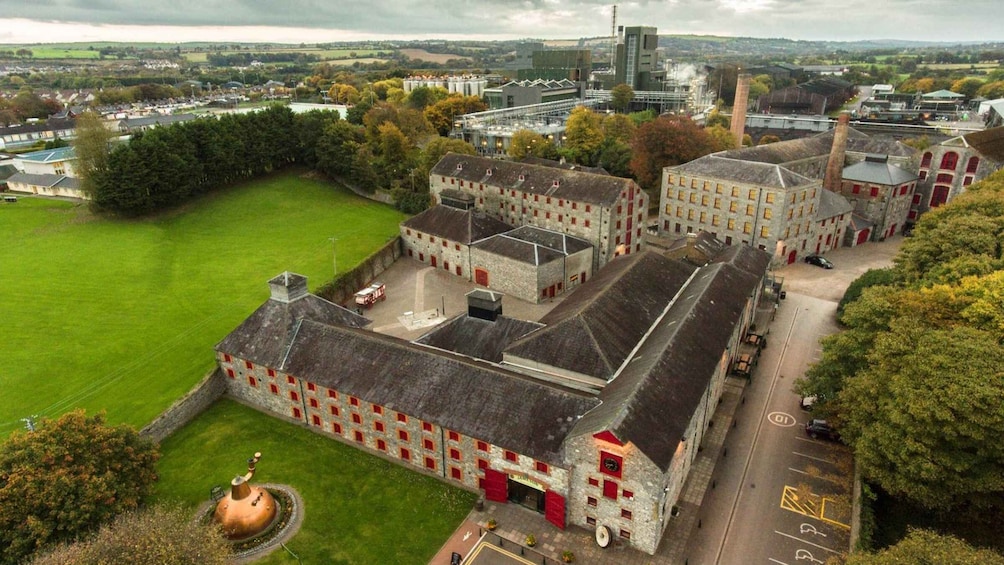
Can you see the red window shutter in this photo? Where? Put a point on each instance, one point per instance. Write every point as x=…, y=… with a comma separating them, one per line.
x=402, y=435
x=554, y=508
x=405, y=454
x=252, y=381
x=482, y=446
x=541, y=467
x=313, y=403
x=227, y=358
x=336, y=427
x=271, y=372
x=427, y=426
x=297, y=414
x=293, y=395
x=594, y=482
x=610, y=489
x=496, y=486
x=454, y=436
x=381, y=445
x=290, y=380
x=274, y=389
x=510, y=456
x=332, y=394
x=455, y=454
x=359, y=436
x=378, y=426
x=230, y=373
x=430, y=463
x=334, y=410
x=353, y=401
x=356, y=419
x=402, y=417
x=455, y=473
x=311, y=387
x=316, y=419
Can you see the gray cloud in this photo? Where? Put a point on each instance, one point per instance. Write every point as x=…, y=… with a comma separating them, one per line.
x=944, y=20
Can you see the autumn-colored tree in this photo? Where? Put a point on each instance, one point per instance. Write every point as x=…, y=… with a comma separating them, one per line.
x=716, y=118
x=768, y=139
x=67, y=478
x=618, y=127
x=526, y=142
x=583, y=135
x=722, y=138
x=343, y=94
x=91, y=149
x=664, y=142
x=621, y=97
x=436, y=150
x=992, y=90
x=423, y=96
x=924, y=547
x=151, y=536
x=441, y=114
x=967, y=86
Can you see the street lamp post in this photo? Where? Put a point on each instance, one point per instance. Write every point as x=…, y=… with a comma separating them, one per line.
x=334, y=256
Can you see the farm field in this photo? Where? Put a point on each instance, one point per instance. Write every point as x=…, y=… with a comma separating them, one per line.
x=49, y=52
x=358, y=508
x=122, y=315
x=324, y=54
x=423, y=55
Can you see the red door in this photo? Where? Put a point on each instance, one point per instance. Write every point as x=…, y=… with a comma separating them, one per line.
x=496, y=486
x=792, y=256
x=554, y=508
x=863, y=236
x=481, y=277
x=433, y=259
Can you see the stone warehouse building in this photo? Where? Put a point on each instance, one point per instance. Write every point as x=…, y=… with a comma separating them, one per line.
x=786, y=197
x=948, y=168
x=592, y=416
x=607, y=212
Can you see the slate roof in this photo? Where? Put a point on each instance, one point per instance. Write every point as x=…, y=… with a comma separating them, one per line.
x=832, y=205
x=745, y=258
x=478, y=338
x=52, y=124
x=596, y=327
x=265, y=335
x=472, y=397
x=531, y=160
x=879, y=144
x=749, y=172
x=130, y=123
x=652, y=399
x=532, y=245
x=537, y=179
x=989, y=142
x=464, y=226
x=877, y=171
x=44, y=179
x=859, y=223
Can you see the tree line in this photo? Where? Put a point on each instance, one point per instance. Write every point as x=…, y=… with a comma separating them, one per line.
x=915, y=380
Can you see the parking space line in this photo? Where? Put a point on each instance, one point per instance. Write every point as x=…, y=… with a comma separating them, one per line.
x=797, y=471
x=820, y=459
x=824, y=548
x=822, y=516
x=772, y=560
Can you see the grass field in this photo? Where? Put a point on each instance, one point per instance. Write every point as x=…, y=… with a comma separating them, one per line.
x=358, y=508
x=324, y=54
x=48, y=52
x=123, y=315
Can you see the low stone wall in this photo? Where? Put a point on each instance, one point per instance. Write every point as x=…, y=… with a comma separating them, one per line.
x=341, y=290
x=187, y=407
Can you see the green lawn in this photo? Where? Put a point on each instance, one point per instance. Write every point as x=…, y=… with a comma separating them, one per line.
x=47, y=52
x=122, y=315
x=358, y=508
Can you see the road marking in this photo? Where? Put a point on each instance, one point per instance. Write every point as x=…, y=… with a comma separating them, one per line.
x=797, y=471
x=806, y=555
x=772, y=560
x=821, y=460
x=800, y=540
x=811, y=505
x=781, y=419
x=756, y=435
x=804, y=528
x=822, y=516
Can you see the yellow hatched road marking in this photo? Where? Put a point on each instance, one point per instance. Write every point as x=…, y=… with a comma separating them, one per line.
x=791, y=501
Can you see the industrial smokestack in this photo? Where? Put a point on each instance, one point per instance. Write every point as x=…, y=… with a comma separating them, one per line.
x=835, y=165
x=739, y=108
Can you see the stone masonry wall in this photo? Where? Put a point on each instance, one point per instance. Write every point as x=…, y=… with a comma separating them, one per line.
x=350, y=282
x=186, y=408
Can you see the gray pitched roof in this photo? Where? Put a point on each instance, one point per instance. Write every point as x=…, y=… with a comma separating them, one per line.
x=532, y=245
x=36, y=179
x=595, y=328
x=531, y=160
x=745, y=258
x=651, y=400
x=265, y=335
x=463, y=226
x=832, y=205
x=989, y=142
x=880, y=144
x=536, y=179
x=472, y=397
x=749, y=172
x=875, y=172
x=478, y=338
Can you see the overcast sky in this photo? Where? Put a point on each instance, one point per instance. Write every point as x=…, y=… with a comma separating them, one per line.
x=295, y=21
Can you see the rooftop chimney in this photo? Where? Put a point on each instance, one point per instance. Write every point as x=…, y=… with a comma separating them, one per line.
x=288, y=287
x=484, y=304
x=739, y=108
x=835, y=165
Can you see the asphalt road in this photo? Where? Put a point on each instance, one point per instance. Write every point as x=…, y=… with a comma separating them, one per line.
x=780, y=497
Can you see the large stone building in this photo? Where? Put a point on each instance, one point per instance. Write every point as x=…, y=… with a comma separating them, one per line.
x=948, y=168
x=772, y=196
x=881, y=193
x=592, y=416
x=607, y=212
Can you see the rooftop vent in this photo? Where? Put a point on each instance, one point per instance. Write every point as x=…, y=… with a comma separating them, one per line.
x=484, y=304
x=288, y=287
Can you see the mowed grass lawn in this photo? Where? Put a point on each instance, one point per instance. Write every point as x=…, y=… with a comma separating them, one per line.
x=122, y=315
x=358, y=508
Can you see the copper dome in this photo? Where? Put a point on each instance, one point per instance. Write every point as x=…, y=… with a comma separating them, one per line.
x=246, y=511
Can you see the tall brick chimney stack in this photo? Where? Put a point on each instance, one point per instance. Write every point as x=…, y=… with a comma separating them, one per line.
x=835, y=165
x=739, y=108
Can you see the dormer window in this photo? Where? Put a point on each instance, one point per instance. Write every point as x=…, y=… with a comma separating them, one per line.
x=521, y=178
x=489, y=172
x=555, y=184
x=460, y=166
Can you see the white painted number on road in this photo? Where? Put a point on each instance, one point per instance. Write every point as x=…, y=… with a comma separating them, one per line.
x=804, y=555
x=810, y=529
x=781, y=419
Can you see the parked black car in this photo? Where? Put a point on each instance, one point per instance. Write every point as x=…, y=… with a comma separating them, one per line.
x=819, y=261
x=821, y=429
